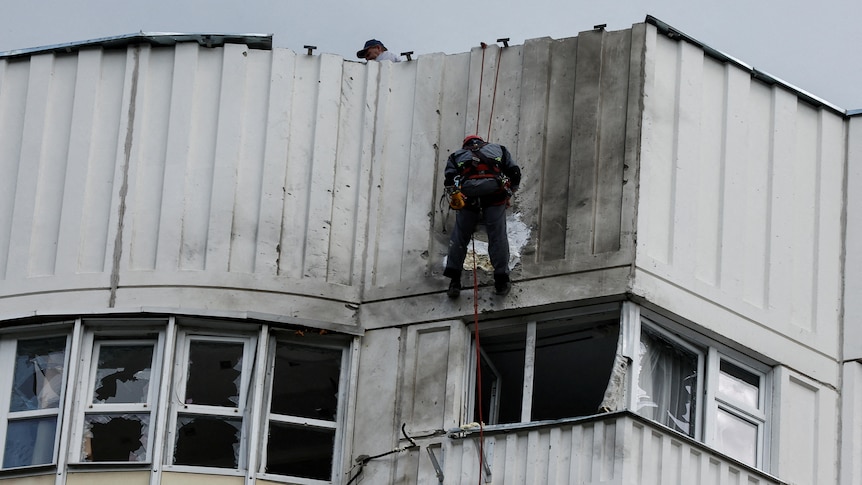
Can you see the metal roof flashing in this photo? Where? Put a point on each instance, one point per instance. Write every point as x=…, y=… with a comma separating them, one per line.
x=253, y=41
x=762, y=76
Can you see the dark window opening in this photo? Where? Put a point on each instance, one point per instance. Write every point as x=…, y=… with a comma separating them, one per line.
x=214, y=373
x=572, y=369
x=207, y=441
x=305, y=382
x=569, y=373
x=502, y=376
x=300, y=451
x=115, y=438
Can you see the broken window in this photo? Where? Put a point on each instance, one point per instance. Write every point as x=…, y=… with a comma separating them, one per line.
x=115, y=437
x=211, y=401
x=304, y=409
x=37, y=383
x=692, y=386
x=214, y=370
x=208, y=441
x=121, y=390
x=668, y=385
x=608, y=358
x=546, y=370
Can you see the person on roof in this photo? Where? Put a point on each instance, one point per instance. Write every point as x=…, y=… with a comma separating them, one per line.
x=480, y=178
x=374, y=50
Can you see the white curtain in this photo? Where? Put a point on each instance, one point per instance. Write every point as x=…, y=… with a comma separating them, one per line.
x=667, y=383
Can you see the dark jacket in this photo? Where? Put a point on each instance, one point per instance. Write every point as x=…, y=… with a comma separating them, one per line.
x=460, y=161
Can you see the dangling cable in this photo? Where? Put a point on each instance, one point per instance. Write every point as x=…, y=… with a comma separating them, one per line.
x=478, y=364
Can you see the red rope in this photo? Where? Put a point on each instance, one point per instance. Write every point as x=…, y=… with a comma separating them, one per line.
x=478, y=365
x=475, y=272
x=494, y=96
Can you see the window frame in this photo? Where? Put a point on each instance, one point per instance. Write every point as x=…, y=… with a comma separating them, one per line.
x=95, y=336
x=245, y=409
x=715, y=352
x=8, y=354
x=347, y=346
x=633, y=317
x=590, y=314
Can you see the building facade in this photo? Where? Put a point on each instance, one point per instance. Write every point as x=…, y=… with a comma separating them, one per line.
x=222, y=264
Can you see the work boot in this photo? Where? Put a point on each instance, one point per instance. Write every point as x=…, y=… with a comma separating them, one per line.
x=502, y=285
x=454, y=290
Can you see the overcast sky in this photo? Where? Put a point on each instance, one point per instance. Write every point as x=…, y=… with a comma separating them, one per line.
x=814, y=46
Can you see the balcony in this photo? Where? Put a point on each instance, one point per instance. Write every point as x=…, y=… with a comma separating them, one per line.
x=619, y=448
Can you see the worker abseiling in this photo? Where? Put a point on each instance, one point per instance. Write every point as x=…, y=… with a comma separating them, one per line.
x=485, y=176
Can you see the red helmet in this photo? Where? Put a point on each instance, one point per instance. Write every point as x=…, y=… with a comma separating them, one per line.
x=472, y=140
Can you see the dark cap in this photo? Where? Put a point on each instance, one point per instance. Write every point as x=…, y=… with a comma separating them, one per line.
x=368, y=44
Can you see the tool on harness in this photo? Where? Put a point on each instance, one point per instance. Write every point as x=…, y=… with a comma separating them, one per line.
x=457, y=200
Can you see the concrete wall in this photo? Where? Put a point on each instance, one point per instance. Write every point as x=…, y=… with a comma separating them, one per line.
x=264, y=183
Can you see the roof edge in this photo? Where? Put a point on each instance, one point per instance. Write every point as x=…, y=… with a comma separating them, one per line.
x=253, y=41
x=673, y=33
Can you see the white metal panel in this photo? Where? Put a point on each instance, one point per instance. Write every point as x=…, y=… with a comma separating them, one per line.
x=850, y=471
x=705, y=181
x=853, y=257
x=807, y=451
x=617, y=450
x=274, y=166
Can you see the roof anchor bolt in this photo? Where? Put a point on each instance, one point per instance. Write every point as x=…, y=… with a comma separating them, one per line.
x=505, y=41
x=310, y=48
x=408, y=54
x=600, y=26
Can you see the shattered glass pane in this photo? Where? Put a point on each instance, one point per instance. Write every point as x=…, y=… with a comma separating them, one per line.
x=30, y=442
x=115, y=437
x=667, y=383
x=300, y=451
x=38, y=379
x=123, y=373
x=207, y=441
x=305, y=382
x=215, y=369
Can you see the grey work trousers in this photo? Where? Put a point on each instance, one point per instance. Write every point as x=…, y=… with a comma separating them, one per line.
x=494, y=218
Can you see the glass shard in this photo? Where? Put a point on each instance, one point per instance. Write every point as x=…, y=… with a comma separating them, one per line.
x=123, y=374
x=38, y=378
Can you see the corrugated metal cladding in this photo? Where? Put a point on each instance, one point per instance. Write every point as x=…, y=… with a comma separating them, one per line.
x=231, y=178
x=740, y=205
x=588, y=452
